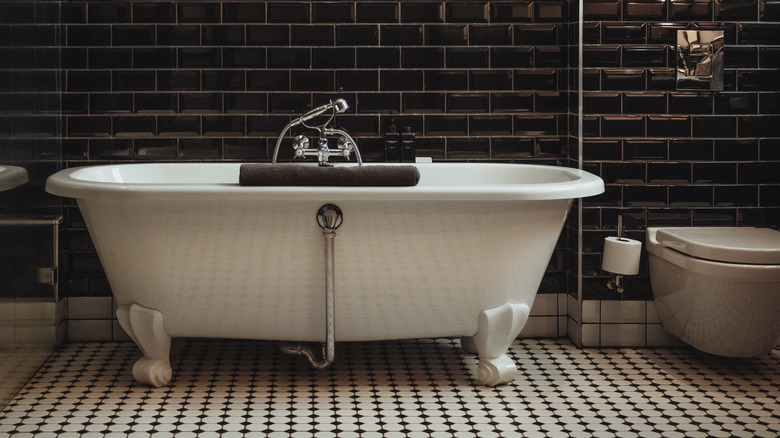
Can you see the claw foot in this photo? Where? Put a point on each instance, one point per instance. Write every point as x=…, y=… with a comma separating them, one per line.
x=154, y=372
x=492, y=372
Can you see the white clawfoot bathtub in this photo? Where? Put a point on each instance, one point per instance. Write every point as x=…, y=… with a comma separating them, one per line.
x=190, y=253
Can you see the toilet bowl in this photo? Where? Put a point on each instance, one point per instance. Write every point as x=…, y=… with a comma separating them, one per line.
x=718, y=288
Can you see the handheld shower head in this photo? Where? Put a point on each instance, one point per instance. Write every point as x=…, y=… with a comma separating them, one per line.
x=339, y=105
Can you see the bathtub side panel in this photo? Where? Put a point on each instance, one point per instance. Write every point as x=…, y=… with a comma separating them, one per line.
x=256, y=269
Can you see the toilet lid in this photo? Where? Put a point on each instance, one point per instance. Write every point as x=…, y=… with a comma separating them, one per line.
x=725, y=244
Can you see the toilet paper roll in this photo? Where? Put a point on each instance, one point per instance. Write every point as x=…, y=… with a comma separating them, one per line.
x=621, y=255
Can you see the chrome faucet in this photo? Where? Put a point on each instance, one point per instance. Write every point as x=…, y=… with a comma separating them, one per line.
x=345, y=146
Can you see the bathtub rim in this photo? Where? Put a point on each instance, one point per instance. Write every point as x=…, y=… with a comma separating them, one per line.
x=581, y=184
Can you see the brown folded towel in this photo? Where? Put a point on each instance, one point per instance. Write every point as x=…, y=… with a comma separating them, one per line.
x=261, y=174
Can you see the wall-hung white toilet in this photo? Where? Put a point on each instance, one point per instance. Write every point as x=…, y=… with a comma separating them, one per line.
x=718, y=288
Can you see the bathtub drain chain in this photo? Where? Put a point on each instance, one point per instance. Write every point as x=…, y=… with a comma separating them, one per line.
x=329, y=218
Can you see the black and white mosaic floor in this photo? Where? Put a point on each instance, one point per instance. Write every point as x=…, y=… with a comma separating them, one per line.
x=417, y=388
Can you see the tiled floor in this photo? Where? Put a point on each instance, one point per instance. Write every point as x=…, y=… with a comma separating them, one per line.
x=399, y=389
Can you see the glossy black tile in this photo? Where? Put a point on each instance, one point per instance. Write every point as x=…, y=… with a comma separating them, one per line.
x=758, y=173
x=292, y=57
x=511, y=57
x=198, y=12
x=446, y=80
x=422, y=12
x=222, y=80
x=312, y=35
x=622, y=126
x=602, y=150
x=522, y=101
x=154, y=12
x=601, y=56
x=169, y=80
x=422, y=57
x=465, y=148
x=477, y=80
x=133, y=80
x=715, y=173
x=669, y=173
x=406, y=35
x=644, y=10
x=102, y=149
x=550, y=56
x=85, y=81
x=769, y=57
x=740, y=56
x=536, y=124
x=202, y=149
x=769, y=11
x=758, y=80
x=361, y=80
x=71, y=13
x=71, y=103
x=266, y=125
x=736, y=10
x=664, y=33
x=333, y=57
x=312, y=80
x=402, y=80
x=623, y=173
x=645, y=56
x=644, y=102
x=17, y=12
x=769, y=103
x=736, y=150
x=243, y=57
x=493, y=35
x=245, y=103
x=360, y=125
x=178, y=126
x=357, y=35
x=536, y=79
x=154, y=57
x=551, y=102
x=690, y=196
x=623, y=79
x=591, y=33
x=736, y=196
x=490, y=125
x=223, y=125
x=160, y=103
x=601, y=10
x=512, y=148
x=456, y=12
x=690, y=150
x=376, y=12
x=690, y=10
x=223, y=35
x=133, y=35
x=446, y=125
x=88, y=126
x=551, y=11
x=690, y=103
x=378, y=57
x=178, y=35
x=452, y=35
x=595, y=102
x=759, y=126
x=78, y=35
x=134, y=126
x=736, y=103
x=467, y=57
x=156, y=148
x=668, y=126
x=243, y=12
x=333, y=12
x=288, y=12
x=623, y=33
x=108, y=12
x=644, y=196
x=197, y=57
x=660, y=79
x=423, y=103
x=379, y=103
x=200, y=102
x=645, y=150
x=104, y=103
x=729, y=30
x=715, y=126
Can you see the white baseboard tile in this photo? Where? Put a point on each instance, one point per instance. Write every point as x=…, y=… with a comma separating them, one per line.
x=563, y=326
x=545, y=305
x=83, y=330
x=623, y=335
x=573, y=308
x=591, y=311
x=623, y=312
x=590, y=335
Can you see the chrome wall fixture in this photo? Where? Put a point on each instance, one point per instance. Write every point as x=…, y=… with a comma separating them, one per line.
x=700, y=60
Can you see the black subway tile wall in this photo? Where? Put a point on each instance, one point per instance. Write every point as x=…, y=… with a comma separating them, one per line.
x=218, y=80
x=672, y=157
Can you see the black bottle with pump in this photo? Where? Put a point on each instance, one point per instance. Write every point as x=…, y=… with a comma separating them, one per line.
x=392, y=145
x=407, y=153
